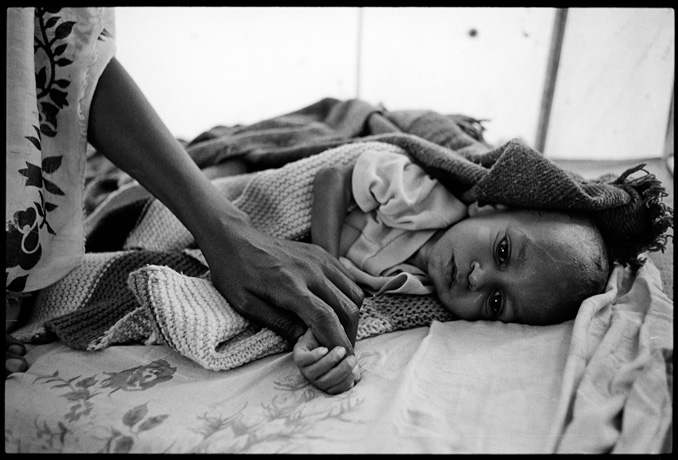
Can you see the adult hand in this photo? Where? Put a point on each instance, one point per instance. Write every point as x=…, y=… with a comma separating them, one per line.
x=286, y=286
x=273, y=282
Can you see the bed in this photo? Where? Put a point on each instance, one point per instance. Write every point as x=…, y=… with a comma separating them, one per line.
x=153, y=365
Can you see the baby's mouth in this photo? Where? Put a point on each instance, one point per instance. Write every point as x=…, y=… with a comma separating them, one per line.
x=453, y=273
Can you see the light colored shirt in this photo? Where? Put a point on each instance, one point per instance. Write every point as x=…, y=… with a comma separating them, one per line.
x=399, y=208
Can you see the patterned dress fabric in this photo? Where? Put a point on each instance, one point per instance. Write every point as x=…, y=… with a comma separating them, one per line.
x=55, y=57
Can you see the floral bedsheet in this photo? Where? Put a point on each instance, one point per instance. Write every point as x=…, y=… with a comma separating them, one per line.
x=422, y=390
x=600, y=383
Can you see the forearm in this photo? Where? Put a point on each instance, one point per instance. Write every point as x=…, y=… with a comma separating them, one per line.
x=128, y=131
x=331, y=198
x=284, y=285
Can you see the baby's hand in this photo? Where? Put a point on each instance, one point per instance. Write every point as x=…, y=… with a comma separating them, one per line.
x=331, y=371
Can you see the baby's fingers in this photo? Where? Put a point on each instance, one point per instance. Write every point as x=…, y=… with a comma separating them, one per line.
x=307, y=350
x=304, y=358
x=325, y=364
x=341, y=377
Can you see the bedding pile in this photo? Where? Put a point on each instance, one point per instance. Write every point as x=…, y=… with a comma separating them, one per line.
x=154, y=286
x=600, y=383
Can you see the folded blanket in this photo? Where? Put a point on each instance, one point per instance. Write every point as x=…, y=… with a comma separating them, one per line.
x=182, y=308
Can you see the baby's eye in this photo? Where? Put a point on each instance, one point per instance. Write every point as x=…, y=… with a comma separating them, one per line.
x=503, y=251
x=495, y=303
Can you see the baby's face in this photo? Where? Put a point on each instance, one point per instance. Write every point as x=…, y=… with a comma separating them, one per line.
x=504, y=266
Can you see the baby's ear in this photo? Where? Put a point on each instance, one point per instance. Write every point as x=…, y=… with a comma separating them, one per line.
x=476, y=210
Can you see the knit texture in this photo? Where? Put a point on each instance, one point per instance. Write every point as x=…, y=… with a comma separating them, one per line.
x=122, y=295
x=191, y=316
x=107, y=300
x=164, y=296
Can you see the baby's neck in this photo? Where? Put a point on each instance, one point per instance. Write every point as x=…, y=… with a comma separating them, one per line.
x=420, y=258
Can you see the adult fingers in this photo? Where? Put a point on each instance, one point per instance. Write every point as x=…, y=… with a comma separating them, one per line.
x=344, y=296
x=278, y=314
x=13, y=345
x=14, y=363
x=325, y=324
x=281, y=321
x=343, y=279
x=347, y=315
x=317, y=314
x=14, y=356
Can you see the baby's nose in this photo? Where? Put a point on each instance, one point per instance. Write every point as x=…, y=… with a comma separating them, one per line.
x=476, y=276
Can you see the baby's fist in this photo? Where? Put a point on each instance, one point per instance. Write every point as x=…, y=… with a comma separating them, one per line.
x=331, y=371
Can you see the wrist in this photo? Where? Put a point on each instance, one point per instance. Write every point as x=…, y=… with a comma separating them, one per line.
x=218, y=223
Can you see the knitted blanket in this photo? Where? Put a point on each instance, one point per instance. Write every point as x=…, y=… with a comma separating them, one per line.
x=156, y=290
x=148, y=282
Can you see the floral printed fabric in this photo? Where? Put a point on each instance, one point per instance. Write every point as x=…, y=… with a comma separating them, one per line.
x=55, y=57
x=480, y=387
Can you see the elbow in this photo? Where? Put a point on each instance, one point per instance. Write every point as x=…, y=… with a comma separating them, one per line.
x=334, y=180
x=327, y=174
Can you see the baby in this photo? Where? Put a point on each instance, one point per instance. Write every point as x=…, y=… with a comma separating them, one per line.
x=408, y=234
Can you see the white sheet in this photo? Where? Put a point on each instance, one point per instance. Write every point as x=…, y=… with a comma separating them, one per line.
x=453, y=387
x=596, y=384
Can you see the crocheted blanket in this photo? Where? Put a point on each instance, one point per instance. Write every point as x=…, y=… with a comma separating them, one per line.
x=147, y=282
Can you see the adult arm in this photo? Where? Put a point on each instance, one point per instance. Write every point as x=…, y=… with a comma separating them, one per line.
x=284, y=285
x=331, y=197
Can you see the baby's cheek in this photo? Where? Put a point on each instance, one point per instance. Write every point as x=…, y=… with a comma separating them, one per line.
x=446, y=299
x=464, y=306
